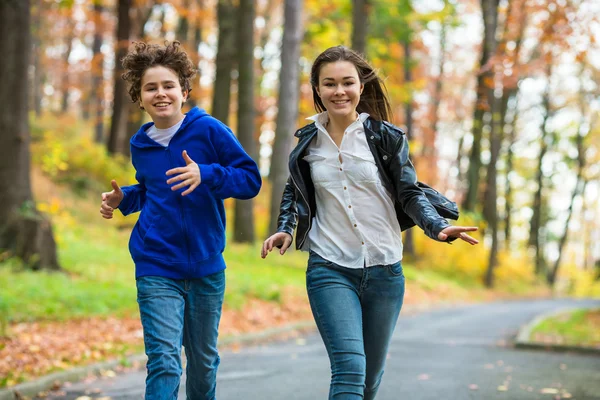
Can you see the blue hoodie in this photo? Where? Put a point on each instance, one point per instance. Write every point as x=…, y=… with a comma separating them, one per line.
x=183, y=237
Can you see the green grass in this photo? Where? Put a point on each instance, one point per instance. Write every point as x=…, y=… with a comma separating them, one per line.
x=578, y=328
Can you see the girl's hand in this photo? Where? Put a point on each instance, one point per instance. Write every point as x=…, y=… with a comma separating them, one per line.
x=189, y=175
x=279, y=239
x=111, y=200
x=459, y=232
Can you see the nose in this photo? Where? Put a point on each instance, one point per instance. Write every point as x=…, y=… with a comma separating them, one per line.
x=339, y=90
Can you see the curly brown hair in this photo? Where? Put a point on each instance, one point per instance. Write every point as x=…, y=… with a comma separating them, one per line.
x=144, y=56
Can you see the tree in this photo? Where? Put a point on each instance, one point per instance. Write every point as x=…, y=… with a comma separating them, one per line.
x=289, y=93
x=243, y=224
x=360, y=21
x=485, y=77
x=226, y=16
x=24, y=232
x=97, y=89
x=121, y=102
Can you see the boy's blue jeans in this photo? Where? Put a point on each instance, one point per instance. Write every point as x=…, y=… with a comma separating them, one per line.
x=356, y=311
x=176, y=312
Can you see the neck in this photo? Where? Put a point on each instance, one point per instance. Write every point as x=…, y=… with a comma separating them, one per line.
x=341, y=122
x=165, y=124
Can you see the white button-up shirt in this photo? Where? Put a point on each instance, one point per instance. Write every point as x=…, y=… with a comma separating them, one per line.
x=356, y=224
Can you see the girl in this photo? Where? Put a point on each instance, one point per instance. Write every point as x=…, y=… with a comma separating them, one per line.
x=178, y=240
x=351, y=185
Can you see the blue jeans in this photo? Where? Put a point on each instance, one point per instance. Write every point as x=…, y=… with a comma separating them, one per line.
x=176, y=312
x=356, y=311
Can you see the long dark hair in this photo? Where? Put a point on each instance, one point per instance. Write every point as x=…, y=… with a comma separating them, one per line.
x=373, y=99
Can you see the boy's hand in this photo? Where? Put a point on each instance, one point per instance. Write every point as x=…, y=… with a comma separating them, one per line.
x=190, y=175
x=459, y=232
x=279, y=239
x=111, y=200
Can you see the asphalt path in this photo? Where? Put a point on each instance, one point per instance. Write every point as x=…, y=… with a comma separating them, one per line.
x=453, y=353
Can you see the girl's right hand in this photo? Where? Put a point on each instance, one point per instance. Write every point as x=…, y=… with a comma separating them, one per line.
x=279, y=239
x=111, y=200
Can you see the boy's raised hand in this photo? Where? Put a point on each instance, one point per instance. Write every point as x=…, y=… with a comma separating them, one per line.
x=190, y=175
x=111, y=200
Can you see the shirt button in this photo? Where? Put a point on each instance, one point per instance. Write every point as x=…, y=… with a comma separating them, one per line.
x=385, y=157
x=345, y=188
x=349, y=206
x=372, y=137
x=355, y=225
x=341, y=169
x=363, y=243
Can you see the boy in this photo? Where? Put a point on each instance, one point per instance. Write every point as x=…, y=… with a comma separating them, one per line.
x=186, y=165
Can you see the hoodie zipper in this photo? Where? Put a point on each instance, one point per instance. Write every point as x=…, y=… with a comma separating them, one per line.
x=181, y=215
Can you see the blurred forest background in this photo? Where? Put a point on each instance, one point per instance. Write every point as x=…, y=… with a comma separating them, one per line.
x=499, y=98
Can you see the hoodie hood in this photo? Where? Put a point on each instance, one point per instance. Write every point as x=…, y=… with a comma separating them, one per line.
x=141, y=139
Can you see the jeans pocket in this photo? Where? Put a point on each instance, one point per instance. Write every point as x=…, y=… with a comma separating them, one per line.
x=396, y=269
x=316, y=261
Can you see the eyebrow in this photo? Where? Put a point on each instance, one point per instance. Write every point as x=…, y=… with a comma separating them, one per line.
x=346, y=77
x=154, y=83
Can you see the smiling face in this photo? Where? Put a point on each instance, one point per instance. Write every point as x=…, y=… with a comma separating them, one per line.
x=339, y=89
x=162, y=96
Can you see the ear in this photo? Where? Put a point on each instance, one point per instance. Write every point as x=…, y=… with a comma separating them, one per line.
x=185, y=95
x=317, y=90
x=362, y=87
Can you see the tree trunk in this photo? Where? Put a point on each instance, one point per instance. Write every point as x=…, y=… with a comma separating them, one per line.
x=489, y=10
x=226, y=15
x=360, y=25
x=136, y=115
x=579, y=190
x=243, y=216
x=289, y=94
x=490, y=19
x=536, y=218
x=121, y=102
x=97, y=89
x=36, y=83
x=409, y=241
x=66, y=66
x=24, y=232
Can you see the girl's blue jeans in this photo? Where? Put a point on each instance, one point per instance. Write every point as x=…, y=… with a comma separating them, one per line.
x=356, y=311
x=176, y=313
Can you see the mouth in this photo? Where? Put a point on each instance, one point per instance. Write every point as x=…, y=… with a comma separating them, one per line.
x=162, y=105
x=339, y=102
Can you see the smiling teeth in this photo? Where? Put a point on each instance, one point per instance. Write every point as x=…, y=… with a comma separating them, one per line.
x=162, y=104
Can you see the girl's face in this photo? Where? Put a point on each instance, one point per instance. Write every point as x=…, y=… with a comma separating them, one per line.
x=339, y=88
x=162, y=96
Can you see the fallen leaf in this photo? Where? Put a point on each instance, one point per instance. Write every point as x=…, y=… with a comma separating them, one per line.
x=549, y=391
x=502, y=388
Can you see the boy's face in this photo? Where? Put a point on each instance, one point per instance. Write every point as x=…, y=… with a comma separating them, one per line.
x=162, y=96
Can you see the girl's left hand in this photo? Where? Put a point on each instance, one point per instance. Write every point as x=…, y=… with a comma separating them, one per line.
x=190, y=175
x=458, y=232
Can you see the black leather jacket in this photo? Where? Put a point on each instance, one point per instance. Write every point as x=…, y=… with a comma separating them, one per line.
x=390, y=150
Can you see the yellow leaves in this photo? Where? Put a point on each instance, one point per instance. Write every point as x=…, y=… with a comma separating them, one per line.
x=51, y=208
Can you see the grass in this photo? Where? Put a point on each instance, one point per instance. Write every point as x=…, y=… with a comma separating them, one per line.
x=575, y=328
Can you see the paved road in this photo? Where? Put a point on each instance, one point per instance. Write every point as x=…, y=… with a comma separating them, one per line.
x=455, y=353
